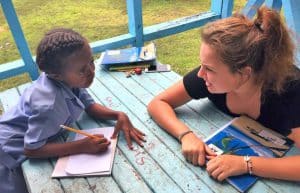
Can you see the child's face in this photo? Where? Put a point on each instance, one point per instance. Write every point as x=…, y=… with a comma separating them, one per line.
x=79, y=69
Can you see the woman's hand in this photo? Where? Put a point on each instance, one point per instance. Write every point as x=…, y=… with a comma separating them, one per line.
x=194, y=149
x=93, y=146
x=223, y=166
x=123, y=123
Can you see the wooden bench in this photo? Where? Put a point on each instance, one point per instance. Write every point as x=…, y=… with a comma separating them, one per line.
x=159, y=166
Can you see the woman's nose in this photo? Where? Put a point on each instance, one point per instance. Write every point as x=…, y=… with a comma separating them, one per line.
x=201, y=73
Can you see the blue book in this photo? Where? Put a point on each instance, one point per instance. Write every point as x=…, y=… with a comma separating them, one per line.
x=244, y=136
x=128, y=57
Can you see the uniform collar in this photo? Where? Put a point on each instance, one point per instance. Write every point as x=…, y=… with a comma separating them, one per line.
x=66, y=90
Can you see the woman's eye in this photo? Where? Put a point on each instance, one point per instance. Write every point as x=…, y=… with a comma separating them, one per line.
x=208, y=69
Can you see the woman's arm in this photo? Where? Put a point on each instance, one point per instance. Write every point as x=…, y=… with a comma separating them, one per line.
x=285, y=168
x=161, y=108
x=223, y=166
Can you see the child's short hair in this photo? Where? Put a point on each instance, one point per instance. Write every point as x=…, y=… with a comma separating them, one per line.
x=56, y=45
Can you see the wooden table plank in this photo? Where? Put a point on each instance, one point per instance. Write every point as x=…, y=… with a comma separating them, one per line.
x=186, y=114
x=69, y=185
x=139, y=158
x=147, y=169
x=36, y=173
x=202, y=107
x=141, y=111
x=127, y=178
x=275, y=185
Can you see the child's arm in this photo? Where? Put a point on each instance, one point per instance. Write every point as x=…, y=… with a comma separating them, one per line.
x=123, y=123
x=101, y=112
x=86, y=145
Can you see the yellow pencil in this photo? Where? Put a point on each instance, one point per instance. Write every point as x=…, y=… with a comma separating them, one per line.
x=79, y=131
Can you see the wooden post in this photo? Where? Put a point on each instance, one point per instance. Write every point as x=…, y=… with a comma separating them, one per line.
x=135, y=21
x=16, y=30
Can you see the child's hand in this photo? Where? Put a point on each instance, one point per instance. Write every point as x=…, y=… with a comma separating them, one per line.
x=123, y=123
x=91, y=145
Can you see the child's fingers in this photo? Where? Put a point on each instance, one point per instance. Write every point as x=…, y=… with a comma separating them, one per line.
x=116, y=131
x=99, y=135
x=103, y=146
x=140, y=136
x=137, y=138
x=102, y=140
x=99, y=138
x=139, y=132
x=128, y=140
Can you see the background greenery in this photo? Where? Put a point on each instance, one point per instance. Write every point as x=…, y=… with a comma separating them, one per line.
x=101, y=19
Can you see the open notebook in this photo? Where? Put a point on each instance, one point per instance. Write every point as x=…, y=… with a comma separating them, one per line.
x=87, y=164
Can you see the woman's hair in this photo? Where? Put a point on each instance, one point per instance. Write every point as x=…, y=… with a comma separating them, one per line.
x=264, y=44
x=56, y=45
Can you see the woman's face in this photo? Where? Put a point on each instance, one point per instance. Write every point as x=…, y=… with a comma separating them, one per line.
x=218, y=77
x=79, y=68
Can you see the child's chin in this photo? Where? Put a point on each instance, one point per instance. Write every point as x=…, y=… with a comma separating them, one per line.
x=88, y=83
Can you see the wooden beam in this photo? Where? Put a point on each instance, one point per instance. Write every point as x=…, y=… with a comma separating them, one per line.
x=16, y=30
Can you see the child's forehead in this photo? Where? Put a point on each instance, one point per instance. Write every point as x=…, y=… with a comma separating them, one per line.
x=79, y=57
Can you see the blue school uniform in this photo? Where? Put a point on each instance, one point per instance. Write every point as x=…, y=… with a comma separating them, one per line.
x=33, y=122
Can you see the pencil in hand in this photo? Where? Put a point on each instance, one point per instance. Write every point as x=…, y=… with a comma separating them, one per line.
x=80, y=132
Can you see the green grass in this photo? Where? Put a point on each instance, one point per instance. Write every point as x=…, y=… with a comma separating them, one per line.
x=101, y=19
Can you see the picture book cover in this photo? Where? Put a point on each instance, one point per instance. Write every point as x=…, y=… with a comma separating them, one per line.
x=94, y=164
x=114, y=59
x=244, y=136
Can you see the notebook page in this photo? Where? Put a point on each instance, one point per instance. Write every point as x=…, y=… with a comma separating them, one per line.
x=92, y=163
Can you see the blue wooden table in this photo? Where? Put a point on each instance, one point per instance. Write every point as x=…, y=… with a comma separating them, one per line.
x=159, y=166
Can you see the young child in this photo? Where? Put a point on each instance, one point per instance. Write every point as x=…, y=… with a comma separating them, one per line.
x=57, y=97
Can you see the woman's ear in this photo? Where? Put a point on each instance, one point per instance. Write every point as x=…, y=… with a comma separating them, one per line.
x=246, y=73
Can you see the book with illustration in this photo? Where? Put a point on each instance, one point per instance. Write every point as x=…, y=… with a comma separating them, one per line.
x=128, y=58
x=244, y=136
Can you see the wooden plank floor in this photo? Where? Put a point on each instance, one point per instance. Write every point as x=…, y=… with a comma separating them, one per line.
x=159, y=166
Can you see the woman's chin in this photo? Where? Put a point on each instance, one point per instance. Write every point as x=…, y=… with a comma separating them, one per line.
x=209, y=88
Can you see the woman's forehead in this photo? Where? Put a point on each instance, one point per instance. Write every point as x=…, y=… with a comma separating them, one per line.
x=208, y=55
x=210, y=58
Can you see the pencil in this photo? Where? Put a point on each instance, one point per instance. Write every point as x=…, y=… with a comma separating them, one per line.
x=79, y=131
